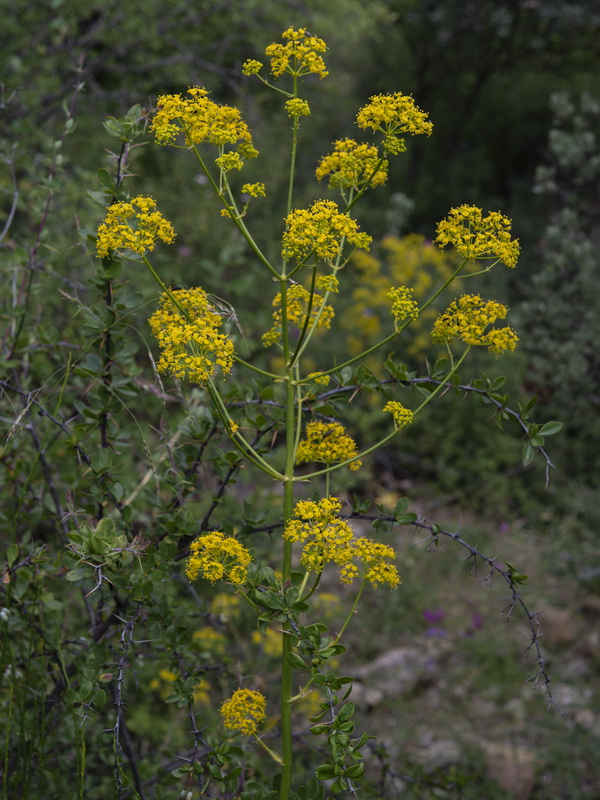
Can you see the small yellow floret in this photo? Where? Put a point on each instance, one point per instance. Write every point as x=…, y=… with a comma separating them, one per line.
x=320, y=229
x=403, y=304
x=251, y=67
x=218, y=557
x=468, y=319
x=479, y=237
x=244, y=711
x=298, y=302
x=191, y=345
x=327, y=538
x=327, y=443
x=351, y=164
x=254, y=189
x=297, y=107
x=328, y=283
x=299, y=55
x=229, y=161
x=197, y=119
x=393, y=115
x=402, y=416
x=319, y=378
x=135, y=226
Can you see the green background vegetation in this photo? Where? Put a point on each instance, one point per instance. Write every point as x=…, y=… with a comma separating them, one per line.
x=511, y=87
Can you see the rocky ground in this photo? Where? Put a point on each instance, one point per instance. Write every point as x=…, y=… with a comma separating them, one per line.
x=443, y=681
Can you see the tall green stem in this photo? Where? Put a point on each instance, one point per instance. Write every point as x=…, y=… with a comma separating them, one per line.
x=288, y=504
x=286, y=670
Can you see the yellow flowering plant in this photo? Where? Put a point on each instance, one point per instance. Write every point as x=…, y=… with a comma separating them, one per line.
x=305, y=398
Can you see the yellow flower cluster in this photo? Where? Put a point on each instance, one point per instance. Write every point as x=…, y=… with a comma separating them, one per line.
x=297, y=107
x=327, y=443
x=327, y=604
x=218, y=557
x=229, y=161
x=226, y=606
x=298, y=56
x=351, y=164
x=319, y=230
x=410, y=261
x=199, y=120
x=476, y=236
x=319, y=378
x=270, y=641
x=376, y=567
x=209, y=640
x=467, y=319
x=394, y=114
x=403, y=304
x=164, y=686
x=164, y=683
x=133, y=226
x=402, y=416
x=191, y=346
x=298, y=299
x=251, y=67
x=244, y=711
x=254, y=189
x=328, y=283
x=328, y=538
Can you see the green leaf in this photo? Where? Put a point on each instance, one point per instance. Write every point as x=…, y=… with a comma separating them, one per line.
x=70, y=696
x=296, y=662
x=100, y=698
x=346, y=712
x=85, y=689
x=528, y=454
x=106, y=529
x=346, y=375
x=401, y=506
x=551, y=428
x=317, y=730
x=101, y=460
x=106, y=180
x=134, y=114
x=325, y=772
x=78, y=574
x=113, y=127
x=515, y=576
x=440, y=368
x=12, y=553
x=355, y=771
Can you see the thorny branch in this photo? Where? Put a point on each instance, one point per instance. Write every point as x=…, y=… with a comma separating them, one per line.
x=539, y=678
x=353, y=389
x=121, y=740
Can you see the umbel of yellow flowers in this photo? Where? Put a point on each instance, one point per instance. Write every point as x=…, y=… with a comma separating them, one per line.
x=326, y=537
x=188, y=335
x=135, y=226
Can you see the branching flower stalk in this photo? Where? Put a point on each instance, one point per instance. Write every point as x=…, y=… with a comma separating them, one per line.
x=317, y=245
